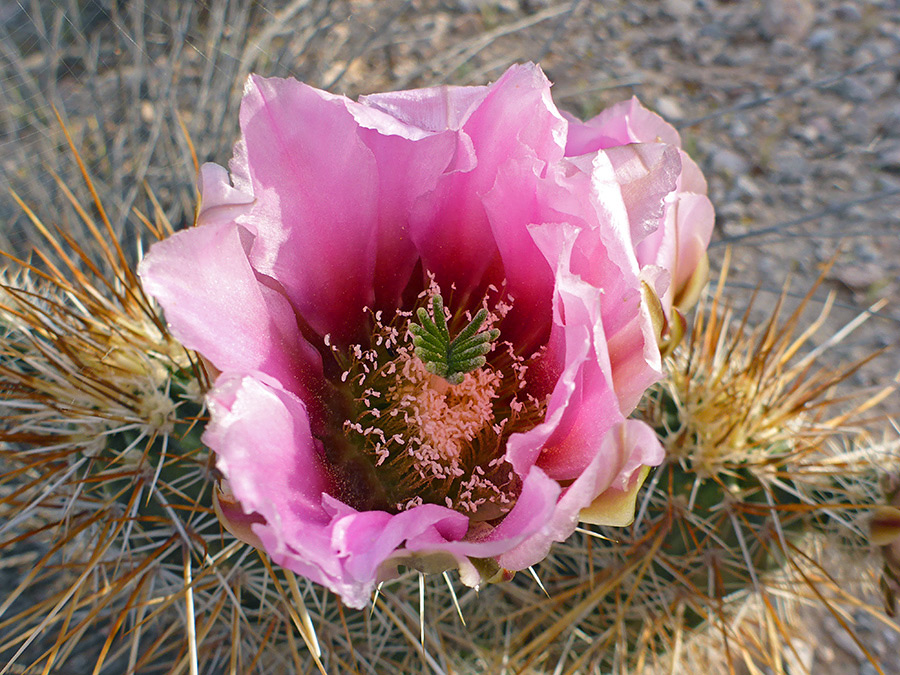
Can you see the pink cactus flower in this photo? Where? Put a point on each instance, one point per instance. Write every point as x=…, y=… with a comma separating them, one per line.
x=429, y=314
x=678, y=245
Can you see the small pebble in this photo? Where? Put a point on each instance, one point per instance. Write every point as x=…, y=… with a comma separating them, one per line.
x=821, y=38
x=791, y=19
x=848, y=11
x=888, y=157
x=852, y=89
x=729, y=162
x=790, y=167
x=669, y=108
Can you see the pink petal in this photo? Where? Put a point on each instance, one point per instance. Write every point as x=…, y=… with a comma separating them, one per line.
x=265, y=449
x=536, y=503
x=214, y=303
x=220, y=202
x=430, y=110
x=584, y=404
x=646, y=173
x=410, y=159
x=694, y=221
x=515, y=120
x=611, y=355
x=691, y=178
x=602, y=255
x=620, y=124
x=623, y=451
x=274, y=467
x=512, y=205
x=407, y=169
x=679, y=245
x=369, y=538
x=315, y=185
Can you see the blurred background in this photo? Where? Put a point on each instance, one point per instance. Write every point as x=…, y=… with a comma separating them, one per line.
x=791, y=108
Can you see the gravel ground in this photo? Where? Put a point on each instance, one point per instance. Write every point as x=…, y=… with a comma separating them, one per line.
x=792, y=108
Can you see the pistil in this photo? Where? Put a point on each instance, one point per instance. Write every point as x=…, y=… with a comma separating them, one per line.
x=448, y=359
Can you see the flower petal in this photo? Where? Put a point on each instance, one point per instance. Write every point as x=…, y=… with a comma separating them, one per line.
x=369, y=538
x=534, y=506
x=680, y=244
x=315, y=186
x=626, y=448
x=220, y=202
x=615, y=506
x=430, y=110
x=233, y=517
x=516, y=119
x=214, y=303
x=591, y=389
x=512, y=205
x=601, y=255
x=620, y=124
x=265, y=450
x=409, y=166
x=647, y=174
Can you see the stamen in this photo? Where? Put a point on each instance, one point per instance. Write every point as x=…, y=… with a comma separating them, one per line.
x=433, y=415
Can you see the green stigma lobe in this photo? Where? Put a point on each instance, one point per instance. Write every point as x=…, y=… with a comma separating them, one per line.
x=446, y=358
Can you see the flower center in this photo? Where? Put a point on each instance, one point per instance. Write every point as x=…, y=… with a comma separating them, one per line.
x=432, y=415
